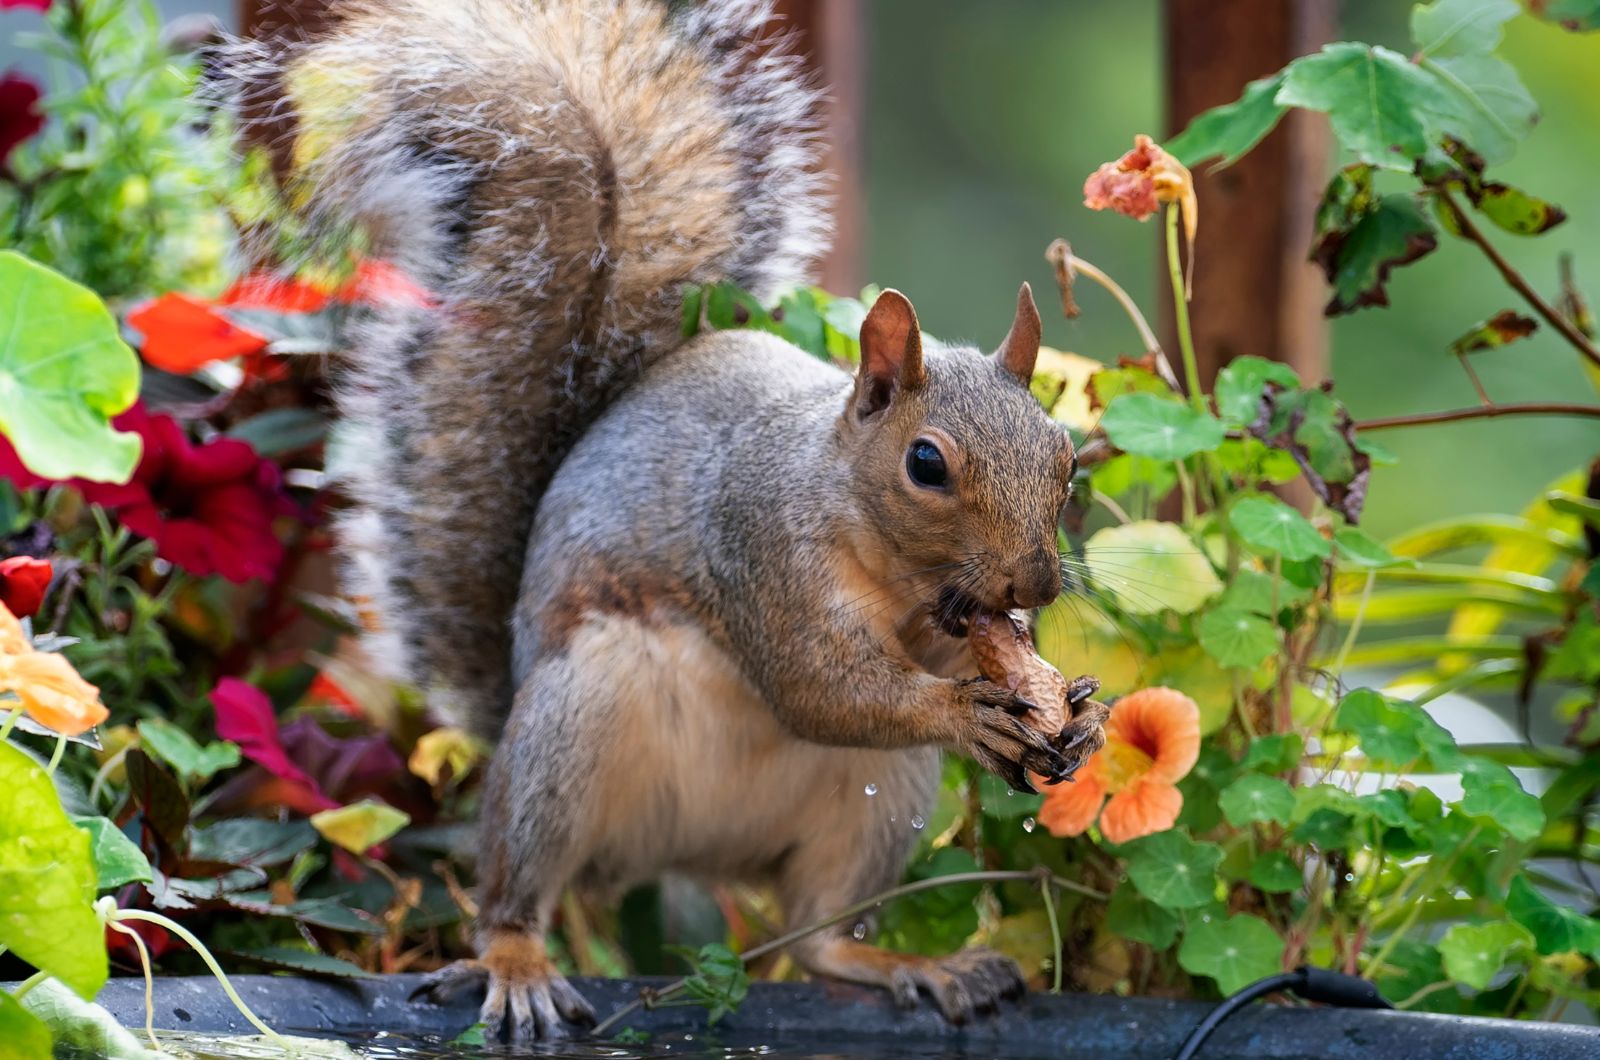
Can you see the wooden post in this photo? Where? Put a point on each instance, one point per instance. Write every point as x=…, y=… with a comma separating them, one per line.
x=1255, y=293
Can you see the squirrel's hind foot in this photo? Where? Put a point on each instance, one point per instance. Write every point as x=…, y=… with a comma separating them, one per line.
x=964, y=984
x=526, y=999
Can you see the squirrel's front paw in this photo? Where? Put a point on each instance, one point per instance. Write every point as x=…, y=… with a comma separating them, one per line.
x=994, y=734
x=527, y=998
x=1083, y=735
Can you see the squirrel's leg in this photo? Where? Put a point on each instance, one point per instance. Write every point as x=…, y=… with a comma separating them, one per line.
x=839, y=865
x=533, y=834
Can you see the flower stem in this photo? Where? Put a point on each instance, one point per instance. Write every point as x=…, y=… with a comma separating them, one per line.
x=1047, y=892
x=28, y=984
x=149, y=982
x=55, y=756
x=11, y=721
x=1060, y=254
x=1180, y=310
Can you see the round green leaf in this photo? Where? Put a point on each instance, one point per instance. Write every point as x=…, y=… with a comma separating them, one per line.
x=117, y=859
x=1254, y=797
x=47, y=880
x=1272, y=528
x=1491, y=790
x=64, y=372
x=1150, y=567
x=1276, y=873
x=1275, y=753
x=1235, y=951
x=182, y=752
x=1378, y=101
x=1160, y=427
x=1237, y=638
x=1174, y=871
x=1556, y=928
x=1132, y=916
x=1473, y=953
x=1240, y=385
x=1391, y=731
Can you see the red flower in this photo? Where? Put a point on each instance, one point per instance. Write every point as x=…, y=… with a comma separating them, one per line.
x=182, y=334
x=23, y=581
x=264, y=290
x=19, y=114
x=37, y=5
x=380, y=283
x=120, y=944
x=208, y=508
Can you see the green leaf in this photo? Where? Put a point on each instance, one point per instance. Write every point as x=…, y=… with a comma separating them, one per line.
x=1377, y=101
x=1492, y=791
x=1237, y=638
x=1172, y=870
x=178, y=749
x=1576, y=15
x=361, y=825
x=1516, y=211
x=281, y=430
x=117, y=859
x=939, y=920
x=1277, y=753
x=1556, y=928
x=1149, y=567
x=1474, y=953
x=1235, y=951
x=1231, y=130
x=1275, y=873
x=1272, y=528
x=1158, y=427
x=251, y=841
x=22, y=1036
x=64, y=372
x=1459, y=27
x=47, y=880
x=719, y=981
x=1361, y=549
x=1132, y=916
x=84, y=1025
x=1241, y=383
x=1486, y=106
x=1390, y=731
x=1254, y=797
x=300, y=960
x=1359, y=256
x=693, y=299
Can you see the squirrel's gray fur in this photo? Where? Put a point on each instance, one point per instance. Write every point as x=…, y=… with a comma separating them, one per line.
x=734, y=613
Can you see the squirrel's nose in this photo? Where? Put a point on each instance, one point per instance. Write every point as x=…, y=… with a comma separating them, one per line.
x=1037, y=581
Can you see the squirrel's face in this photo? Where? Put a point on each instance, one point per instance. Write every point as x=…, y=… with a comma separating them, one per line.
x=959, y=470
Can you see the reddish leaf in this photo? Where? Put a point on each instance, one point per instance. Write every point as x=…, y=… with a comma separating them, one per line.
x=156, y=938
x=182, y=333
x=23, y=581
x=344, y=766
x=160, y=798
x=380, y=283
x=245, y=716
x=33, y=5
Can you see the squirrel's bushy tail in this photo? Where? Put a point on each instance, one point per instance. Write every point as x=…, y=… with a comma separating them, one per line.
x=552, y=171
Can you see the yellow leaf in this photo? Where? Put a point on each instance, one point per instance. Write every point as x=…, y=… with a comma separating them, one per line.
x=445, y=747
x=361, y=825
x=1073, y=370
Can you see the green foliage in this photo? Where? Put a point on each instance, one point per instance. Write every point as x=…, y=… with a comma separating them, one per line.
x=1473, y=954
x=1272, y=528
x=1174, y=871
x=1235, y=950
x=1159, y=427
x=22, y=1035
x=718, y=982
x=117, y=859
x=183, y=753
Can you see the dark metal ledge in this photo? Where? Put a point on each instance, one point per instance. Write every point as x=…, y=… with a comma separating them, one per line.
x=792, y=1014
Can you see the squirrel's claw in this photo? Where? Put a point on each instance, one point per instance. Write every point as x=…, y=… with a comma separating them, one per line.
x=965, y=984
x=450, y=982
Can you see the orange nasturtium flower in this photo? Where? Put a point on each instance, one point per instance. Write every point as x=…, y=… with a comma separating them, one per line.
x=1152, y=741
x=1137, y=183
x=50, y=690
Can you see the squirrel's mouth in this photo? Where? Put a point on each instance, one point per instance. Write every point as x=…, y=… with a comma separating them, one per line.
x=953, y=610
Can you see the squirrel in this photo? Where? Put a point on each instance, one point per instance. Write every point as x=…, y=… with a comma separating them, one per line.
x=705, y=596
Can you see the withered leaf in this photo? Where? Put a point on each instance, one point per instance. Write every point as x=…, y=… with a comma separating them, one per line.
x=1504, y=327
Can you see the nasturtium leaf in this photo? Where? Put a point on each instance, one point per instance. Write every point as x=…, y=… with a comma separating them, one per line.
x=1202, y=680
x=305, y=961
x=64, y=373
x=934, y=921
x=1275, y=873
x=1390, y=731
x=360, y=825
x=1556, y=928
x=88, y=1029
x=1360, y=549
x=22, y=1035
x=1002, y=802
x=1125, y=473
x=1272, y=528
x=1149, y=567
x=117, y=859
x=1325, y=830
x=1252, y=590
x=1482, y=103
x=1240, y=383
x=1159, y=427
x=1229, y=132
x=1254, y=797
x=1275, y=753
x=1172, y=870
x=1474, y=953
x=178, y=749
x=1577, y=15
x=1235, y=951
x=1105, y=385
x=1236, y=638
x=1130, y=915
x=1388, y=807
x=47, y=880
x=1492, y=791
x=1459, y=27
x=1516, y=211
x=1377, y=100
x=1323, y=438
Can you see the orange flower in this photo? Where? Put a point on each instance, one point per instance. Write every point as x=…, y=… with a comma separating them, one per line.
x=13, y=641
x=51, y=691
x=1152, y=741
x=1135, y=184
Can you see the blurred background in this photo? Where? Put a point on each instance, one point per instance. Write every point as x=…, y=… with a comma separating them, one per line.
x=971, y=128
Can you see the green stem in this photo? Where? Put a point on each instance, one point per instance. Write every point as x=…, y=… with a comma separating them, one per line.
x=28, y=984
x=1415, y=910
x=11, y=722
x=1355, y=625
x=1180, y=308
x=55, y=756
x=149, y=981
x=1061, y=255
x=1049, y=895
x=199, y=947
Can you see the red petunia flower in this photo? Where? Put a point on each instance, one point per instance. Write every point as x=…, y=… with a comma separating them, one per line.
x=19, y=112
x=23, y=581
x=209, y=507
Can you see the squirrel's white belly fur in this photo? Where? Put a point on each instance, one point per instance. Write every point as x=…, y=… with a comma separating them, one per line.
x=702, y=779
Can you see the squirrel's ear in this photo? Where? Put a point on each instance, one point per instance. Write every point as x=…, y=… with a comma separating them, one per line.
x=1021, y=345
x=891, y=353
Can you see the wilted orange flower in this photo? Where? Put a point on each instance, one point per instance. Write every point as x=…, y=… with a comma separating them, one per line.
x=50, y=690
x=1138, y=182
x=1152, y=741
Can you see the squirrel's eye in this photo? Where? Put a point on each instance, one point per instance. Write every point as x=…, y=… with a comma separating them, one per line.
x=925, y=465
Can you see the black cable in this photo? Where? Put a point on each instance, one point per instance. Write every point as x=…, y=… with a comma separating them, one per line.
x=1313, y=984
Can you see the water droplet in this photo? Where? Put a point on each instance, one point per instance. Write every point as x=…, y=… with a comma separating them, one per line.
x=871, y=789
x=917, y=822
x=1010, y=792
x=1349, y=877
x=859, y=931
x=1028, y=824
